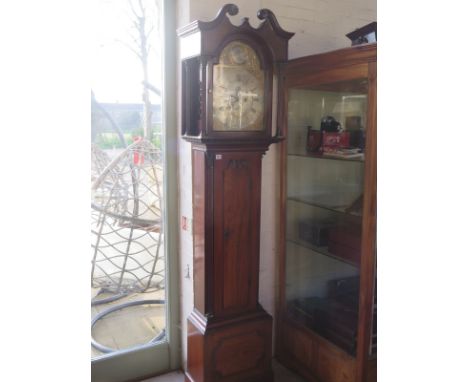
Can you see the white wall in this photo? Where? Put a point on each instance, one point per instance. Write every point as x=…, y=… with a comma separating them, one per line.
x=319, y=26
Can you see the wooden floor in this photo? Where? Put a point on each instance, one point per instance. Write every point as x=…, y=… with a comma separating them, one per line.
x=281, y=375
x=131, y=326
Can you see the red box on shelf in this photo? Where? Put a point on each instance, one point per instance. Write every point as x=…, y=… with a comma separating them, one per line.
x=333, y=141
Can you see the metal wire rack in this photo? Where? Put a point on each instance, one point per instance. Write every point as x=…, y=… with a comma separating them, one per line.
x=126, y=219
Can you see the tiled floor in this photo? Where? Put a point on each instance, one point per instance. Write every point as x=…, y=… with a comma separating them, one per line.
x=281, y=375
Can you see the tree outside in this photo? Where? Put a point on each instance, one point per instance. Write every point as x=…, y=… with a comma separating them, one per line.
x=126, y=95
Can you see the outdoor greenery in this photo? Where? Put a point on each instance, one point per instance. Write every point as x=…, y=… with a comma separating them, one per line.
x=109, y=140
x=107, y=119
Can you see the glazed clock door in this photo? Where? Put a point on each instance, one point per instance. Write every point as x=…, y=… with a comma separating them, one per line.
x=238, y=89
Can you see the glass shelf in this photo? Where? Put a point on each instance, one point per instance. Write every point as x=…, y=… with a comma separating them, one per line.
x=321, y=250
x=306, y=154
x=324, y=212
x=312, y=202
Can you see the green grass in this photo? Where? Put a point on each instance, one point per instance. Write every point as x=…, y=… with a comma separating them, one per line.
x=111, y=140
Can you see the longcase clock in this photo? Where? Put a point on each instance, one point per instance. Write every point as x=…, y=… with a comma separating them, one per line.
x=227, y=88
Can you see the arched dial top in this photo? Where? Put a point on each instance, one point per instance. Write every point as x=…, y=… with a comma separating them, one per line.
x=238, y=89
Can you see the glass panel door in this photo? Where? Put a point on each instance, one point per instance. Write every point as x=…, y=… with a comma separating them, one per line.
x=325, y=167
x=131, y=304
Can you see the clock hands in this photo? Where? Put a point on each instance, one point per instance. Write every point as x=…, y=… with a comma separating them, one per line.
x=240, y=107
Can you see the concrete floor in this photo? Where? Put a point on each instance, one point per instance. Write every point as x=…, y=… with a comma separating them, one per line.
x=281, y=375
x=129, y=327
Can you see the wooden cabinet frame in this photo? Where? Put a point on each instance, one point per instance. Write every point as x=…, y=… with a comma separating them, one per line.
x=318, y=356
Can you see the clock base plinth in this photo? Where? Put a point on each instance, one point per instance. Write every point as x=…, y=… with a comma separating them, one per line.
x=230, y=350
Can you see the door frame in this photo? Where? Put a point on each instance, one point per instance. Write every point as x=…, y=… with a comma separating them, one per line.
x=152, y=359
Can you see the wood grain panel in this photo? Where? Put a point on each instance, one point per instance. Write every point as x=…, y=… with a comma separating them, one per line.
x=300, y=347
x=239, y=353
x=338, y=58
x=232, y=350
x=237, y=226
x=314, y=79
x=236, y=242
x=372, y=370
x=196, y=353
x=333, y=366
x=198, y=163
x=314, y=357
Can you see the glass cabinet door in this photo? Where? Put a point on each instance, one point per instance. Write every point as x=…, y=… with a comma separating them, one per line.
x=325, y=191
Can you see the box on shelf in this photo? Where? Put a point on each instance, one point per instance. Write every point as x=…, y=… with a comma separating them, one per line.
x=345, y=242
x=315, y=232
x=345, y=290
x=314, y=140
x=333, y=141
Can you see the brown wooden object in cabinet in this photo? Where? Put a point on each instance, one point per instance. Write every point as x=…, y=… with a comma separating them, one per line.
x=298, y=346
x=314, y=357
x=229, y=333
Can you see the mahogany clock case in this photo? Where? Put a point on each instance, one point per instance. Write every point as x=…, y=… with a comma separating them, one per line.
x=229, y=333
x=270, y=43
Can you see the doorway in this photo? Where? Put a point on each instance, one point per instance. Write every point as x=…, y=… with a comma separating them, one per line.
x=134, y=305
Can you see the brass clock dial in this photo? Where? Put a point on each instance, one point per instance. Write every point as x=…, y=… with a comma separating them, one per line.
x=238, y=90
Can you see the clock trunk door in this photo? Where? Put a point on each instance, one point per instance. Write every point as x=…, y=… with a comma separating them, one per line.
x=236, y=246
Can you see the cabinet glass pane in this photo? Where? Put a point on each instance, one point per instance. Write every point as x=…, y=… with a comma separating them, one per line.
x=325, y=170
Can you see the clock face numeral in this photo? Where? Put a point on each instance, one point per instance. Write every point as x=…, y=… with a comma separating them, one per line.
x=238, y=90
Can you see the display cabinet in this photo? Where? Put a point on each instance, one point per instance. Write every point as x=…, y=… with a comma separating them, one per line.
x=328, y=309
